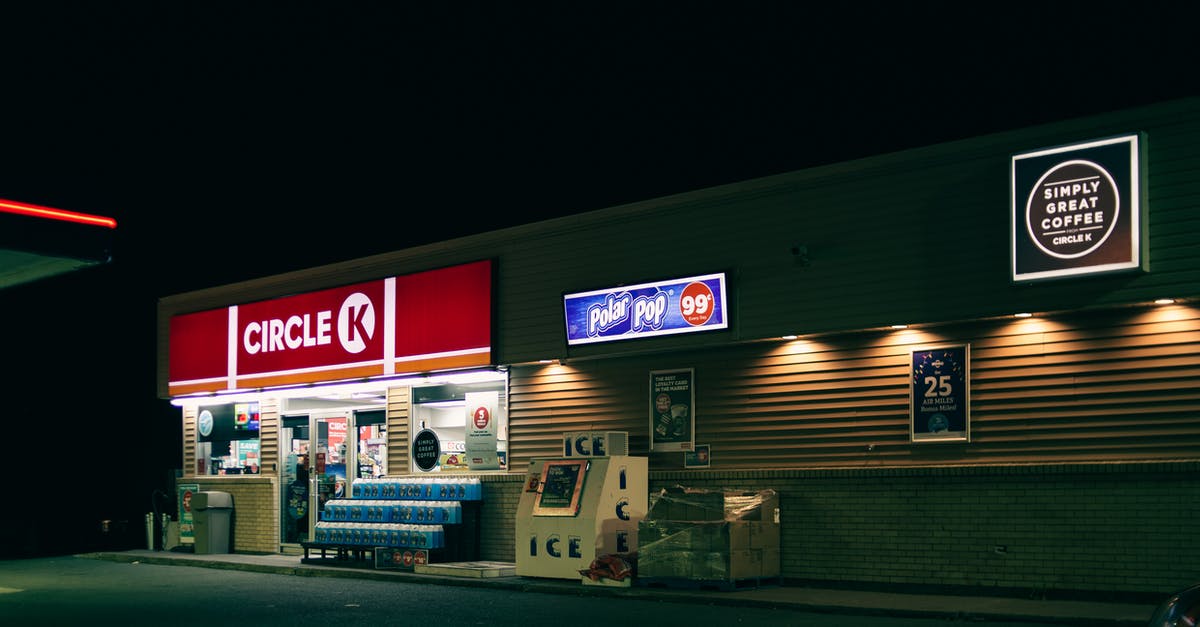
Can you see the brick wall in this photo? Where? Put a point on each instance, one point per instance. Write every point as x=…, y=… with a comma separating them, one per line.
x=1103, y=527
x=1040, y=529
x=255, y=518
x=498, y=524
x=1085, y=527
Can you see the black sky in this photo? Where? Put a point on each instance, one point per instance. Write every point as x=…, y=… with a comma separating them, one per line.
x=241, y=139
x=233, y=140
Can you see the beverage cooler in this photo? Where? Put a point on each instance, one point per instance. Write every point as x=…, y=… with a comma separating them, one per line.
x=576, y=508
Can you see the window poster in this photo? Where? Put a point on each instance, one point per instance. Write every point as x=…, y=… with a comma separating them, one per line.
x=187, y=533
x=560, y=488
x=940, y=394
x=482, y=417
x=672, y=410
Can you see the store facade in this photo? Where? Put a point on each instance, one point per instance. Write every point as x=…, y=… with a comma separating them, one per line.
x=972, y=364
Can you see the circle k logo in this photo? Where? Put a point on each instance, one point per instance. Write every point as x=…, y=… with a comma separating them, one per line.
x=356, y=322
x=355, y=327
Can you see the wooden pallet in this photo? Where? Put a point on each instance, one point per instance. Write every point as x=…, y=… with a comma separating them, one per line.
x=342, y=554
x=723, y=585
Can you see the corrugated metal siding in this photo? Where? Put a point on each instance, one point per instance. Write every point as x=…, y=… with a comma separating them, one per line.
x=1120, y=385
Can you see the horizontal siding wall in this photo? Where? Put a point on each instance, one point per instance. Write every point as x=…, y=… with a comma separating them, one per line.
x=268, y=435
x=1118, y=385
x=189, y=440
x=398, y=430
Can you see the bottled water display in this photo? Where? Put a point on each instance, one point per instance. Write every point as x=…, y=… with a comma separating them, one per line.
x=402, y=512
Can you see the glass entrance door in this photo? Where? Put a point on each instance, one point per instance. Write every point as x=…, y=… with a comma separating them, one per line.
x=315, y=451
x=331, y=449
x=295, y=505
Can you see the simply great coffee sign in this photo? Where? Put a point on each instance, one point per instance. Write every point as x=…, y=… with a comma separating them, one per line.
x=1078, y=209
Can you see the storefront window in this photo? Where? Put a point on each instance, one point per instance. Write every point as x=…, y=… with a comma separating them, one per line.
x=459, y=427
x=227, y=439
x=372, y=443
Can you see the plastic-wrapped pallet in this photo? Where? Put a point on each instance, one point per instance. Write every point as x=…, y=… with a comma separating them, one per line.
x=710, y=535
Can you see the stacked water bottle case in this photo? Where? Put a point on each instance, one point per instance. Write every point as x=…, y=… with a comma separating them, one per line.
x=404, y=512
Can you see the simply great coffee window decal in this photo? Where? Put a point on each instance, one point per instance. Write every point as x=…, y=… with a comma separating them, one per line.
x=1078, y=209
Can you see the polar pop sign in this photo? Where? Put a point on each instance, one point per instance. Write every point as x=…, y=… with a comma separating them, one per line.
x=1077, y=209
x=419, y=322
x=648, y=309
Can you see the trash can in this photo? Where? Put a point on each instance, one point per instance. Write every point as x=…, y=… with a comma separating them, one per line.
x=210, y=519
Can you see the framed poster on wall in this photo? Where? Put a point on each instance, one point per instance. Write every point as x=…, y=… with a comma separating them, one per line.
x=672, y=410
x=940, y=393
x=699, y=458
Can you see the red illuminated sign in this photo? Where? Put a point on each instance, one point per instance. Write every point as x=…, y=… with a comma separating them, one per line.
x=26, y=209
x=435, y=320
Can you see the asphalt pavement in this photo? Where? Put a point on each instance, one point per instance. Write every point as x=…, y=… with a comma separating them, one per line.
x=811, y=599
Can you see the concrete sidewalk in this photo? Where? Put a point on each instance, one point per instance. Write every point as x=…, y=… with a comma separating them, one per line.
x=976, y=608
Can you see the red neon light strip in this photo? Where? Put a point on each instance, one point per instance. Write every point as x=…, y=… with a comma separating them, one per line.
x=55, y=214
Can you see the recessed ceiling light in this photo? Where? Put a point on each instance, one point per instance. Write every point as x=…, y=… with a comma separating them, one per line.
x=1023, y=314
x=788, y=337
x=1164, y=301
x=899, y=326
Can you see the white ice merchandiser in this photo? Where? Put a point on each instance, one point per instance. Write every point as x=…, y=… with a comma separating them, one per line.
x=575, y=509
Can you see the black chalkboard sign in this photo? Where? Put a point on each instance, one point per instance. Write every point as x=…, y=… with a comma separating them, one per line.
x=426, y=450
x=561, y=487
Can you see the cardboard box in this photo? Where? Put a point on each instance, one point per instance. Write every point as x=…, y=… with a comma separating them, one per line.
x=664, y=535
x=710, y=566
x=710, y=536
x=749, y=534
x=690, y=504
x=772, y=566
x=670, y=564
x=744, y=564
x=762, y=505
x=715, y=535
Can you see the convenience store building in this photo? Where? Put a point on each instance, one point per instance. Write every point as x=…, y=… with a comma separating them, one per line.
x=971, y=364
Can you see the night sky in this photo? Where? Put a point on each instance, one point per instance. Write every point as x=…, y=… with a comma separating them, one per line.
x=232, y=143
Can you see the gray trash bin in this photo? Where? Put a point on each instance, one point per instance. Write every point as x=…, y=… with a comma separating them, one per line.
x=210, y=518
